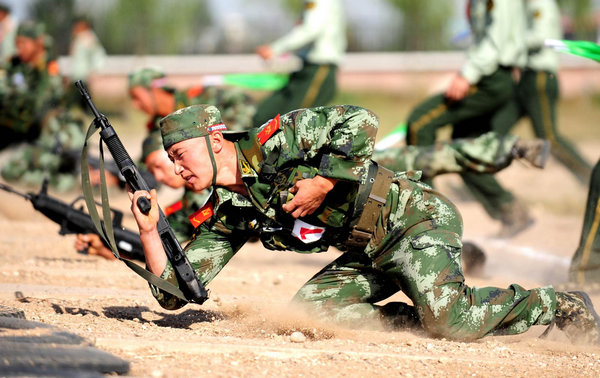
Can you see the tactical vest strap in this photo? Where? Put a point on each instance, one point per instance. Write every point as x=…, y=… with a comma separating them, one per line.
x=369, y=202
x=262, y=163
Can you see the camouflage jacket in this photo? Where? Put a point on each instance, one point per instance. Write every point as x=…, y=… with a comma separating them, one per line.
x=178, y=213
x=335, y=142
x=27, y=93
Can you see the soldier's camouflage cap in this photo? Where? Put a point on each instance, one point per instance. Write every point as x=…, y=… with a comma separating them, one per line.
x=153, y=142
x=31, y=29
x=147, y=77
x=192, y=122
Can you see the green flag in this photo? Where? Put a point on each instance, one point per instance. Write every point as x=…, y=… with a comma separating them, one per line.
x=397, y=135
x=256, y=81
x=585, y=49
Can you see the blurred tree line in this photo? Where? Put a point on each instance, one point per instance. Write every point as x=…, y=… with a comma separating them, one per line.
x=182, y=26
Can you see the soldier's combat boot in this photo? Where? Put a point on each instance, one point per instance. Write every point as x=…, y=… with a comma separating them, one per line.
x=515, y=218
x=400, y=316
x=535, y=151
x=575, y=315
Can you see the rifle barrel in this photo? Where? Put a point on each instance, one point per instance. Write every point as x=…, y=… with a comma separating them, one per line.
x=11, y=190
x=86, y=95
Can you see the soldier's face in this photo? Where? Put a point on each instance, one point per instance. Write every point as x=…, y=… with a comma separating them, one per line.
x=162, y=169
x=142, y=99
x=27, y=48
x=192, y=163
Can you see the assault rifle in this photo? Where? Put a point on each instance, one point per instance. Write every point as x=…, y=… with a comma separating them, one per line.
x=76, y=221
x=191, y=287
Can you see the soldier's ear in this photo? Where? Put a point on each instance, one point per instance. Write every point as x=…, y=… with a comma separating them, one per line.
x=217, y=140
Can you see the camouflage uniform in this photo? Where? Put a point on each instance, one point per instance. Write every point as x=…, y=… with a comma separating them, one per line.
x=487, y=153
x=27, y=93
x=179, y=212
x=415, y=246
x=32, y=112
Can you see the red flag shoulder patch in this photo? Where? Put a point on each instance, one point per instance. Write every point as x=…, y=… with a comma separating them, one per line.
x=201, y=215
x=174, y=208
x=194, y=91
x=268, y=130
x=53, y=68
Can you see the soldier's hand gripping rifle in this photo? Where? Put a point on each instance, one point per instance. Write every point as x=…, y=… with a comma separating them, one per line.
x=76, y=221
x=190, y=286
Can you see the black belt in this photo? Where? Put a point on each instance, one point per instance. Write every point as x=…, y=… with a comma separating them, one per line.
x=370, y=200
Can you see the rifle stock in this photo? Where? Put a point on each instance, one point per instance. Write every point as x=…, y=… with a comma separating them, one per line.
x=190, y=283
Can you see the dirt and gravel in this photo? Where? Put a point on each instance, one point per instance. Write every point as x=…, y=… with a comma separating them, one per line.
x=246, y=327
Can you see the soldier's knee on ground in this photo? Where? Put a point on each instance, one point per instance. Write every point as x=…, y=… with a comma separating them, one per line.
x=447, y=317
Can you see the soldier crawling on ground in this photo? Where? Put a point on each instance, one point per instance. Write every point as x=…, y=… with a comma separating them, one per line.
x=487, y=153
x=304, y=182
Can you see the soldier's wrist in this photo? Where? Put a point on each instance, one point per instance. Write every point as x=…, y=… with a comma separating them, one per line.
x=325, y=182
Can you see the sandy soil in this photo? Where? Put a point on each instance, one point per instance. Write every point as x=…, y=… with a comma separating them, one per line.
x=245, y=328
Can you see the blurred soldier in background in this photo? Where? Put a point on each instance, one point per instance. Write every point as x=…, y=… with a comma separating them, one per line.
x=320, y=37
x=150, y=93
x=8, y=29
x=538, y=89
x=32, y=111
x=87, y=56
x=476, y=95
x=30, y=85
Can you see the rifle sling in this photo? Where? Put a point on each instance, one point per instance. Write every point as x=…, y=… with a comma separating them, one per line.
x=107, y=232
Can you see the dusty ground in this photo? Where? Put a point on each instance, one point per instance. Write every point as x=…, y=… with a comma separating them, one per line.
x=245, y=328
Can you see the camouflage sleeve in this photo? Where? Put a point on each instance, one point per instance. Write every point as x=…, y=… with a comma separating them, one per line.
x=338, y=139
x=208, y=252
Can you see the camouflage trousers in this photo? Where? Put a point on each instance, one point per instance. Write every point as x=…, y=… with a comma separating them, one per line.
x=54, y=155
x=416, y=248
x=487, y=153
